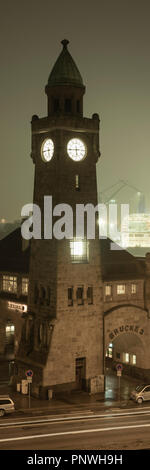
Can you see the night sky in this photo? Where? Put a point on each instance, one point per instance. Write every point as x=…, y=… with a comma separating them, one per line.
x=110, y=43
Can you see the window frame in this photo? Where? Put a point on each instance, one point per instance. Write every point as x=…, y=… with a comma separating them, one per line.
x=82, y=258
x=9, y=280
x=119, y=290
x=80, y=298
x=133, y=287
x=110, y=289
x=25, y=286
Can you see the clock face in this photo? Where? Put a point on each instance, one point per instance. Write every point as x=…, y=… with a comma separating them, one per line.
x=76, y=149
x=47, y=150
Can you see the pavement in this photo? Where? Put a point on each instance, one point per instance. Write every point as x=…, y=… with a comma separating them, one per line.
x=76, y=401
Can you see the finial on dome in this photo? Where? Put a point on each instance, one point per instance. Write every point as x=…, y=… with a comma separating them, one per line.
x=65, y=43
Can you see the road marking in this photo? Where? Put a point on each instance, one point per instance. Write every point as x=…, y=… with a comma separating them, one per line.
x=67, y=433
x=73, y=418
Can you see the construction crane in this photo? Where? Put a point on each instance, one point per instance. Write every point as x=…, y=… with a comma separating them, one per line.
x=122, y=185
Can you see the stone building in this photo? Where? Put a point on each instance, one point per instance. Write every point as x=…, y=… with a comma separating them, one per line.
x=126, y=304
x=126, y=310
x=87, y=305
x=14, y=278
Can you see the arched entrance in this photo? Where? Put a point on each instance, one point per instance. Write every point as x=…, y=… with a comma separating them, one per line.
x=126, y=341
x=127, y=349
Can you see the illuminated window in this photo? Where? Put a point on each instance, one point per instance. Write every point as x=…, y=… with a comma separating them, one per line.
x=10, y=284
x=134, y=359
x=121, y=289
x=79, y=251
x=107, y=290
x=10, y=329
x=25, y=284
x=77, y=182
x=133, y=288
x=109, y=352
x=126, y=357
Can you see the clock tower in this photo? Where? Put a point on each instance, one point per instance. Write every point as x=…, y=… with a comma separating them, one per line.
x=62, y=341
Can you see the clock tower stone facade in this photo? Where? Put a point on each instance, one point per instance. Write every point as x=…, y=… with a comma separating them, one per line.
x=62, y=340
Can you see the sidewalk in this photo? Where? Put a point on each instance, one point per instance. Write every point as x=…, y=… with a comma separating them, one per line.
x=75, y=401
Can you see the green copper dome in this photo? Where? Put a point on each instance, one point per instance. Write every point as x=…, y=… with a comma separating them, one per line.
x=65, y=71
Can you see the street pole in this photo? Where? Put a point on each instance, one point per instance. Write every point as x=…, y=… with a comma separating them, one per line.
x=29, y=375
x=29, y=394
x=119, y=388
x=119, y=373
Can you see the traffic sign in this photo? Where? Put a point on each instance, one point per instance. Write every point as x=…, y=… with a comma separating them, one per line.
x=119, y=373
x=119, y=367
x=29, y=373
x=29, y=379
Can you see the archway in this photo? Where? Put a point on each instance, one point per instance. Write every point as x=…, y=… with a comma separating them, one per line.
x=126, y=341
x=126, y=349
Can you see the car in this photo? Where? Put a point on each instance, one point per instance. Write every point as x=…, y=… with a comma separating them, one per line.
x=141, y=393
x=6, y=405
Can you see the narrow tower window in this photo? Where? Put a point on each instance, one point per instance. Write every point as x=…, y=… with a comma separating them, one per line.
x=70, y=296
x=77, y=182
x=25, y=284
x=36, y=294
x=48, y=295
x=68, y=106
x=56, y=105
x=90, y=295
x=42, y=295
x=80, y=299
x=78, y=106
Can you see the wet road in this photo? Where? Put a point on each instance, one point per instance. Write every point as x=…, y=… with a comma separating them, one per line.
x=129, y=429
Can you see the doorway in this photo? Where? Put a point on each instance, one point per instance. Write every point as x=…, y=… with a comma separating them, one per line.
x=80, y=373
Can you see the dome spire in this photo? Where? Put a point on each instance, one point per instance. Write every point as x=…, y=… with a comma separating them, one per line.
x=65, y=43
x=65, y=88
x=65, y=70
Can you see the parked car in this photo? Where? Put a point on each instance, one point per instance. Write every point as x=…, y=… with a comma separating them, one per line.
x=6, y=405
x=141, y=393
